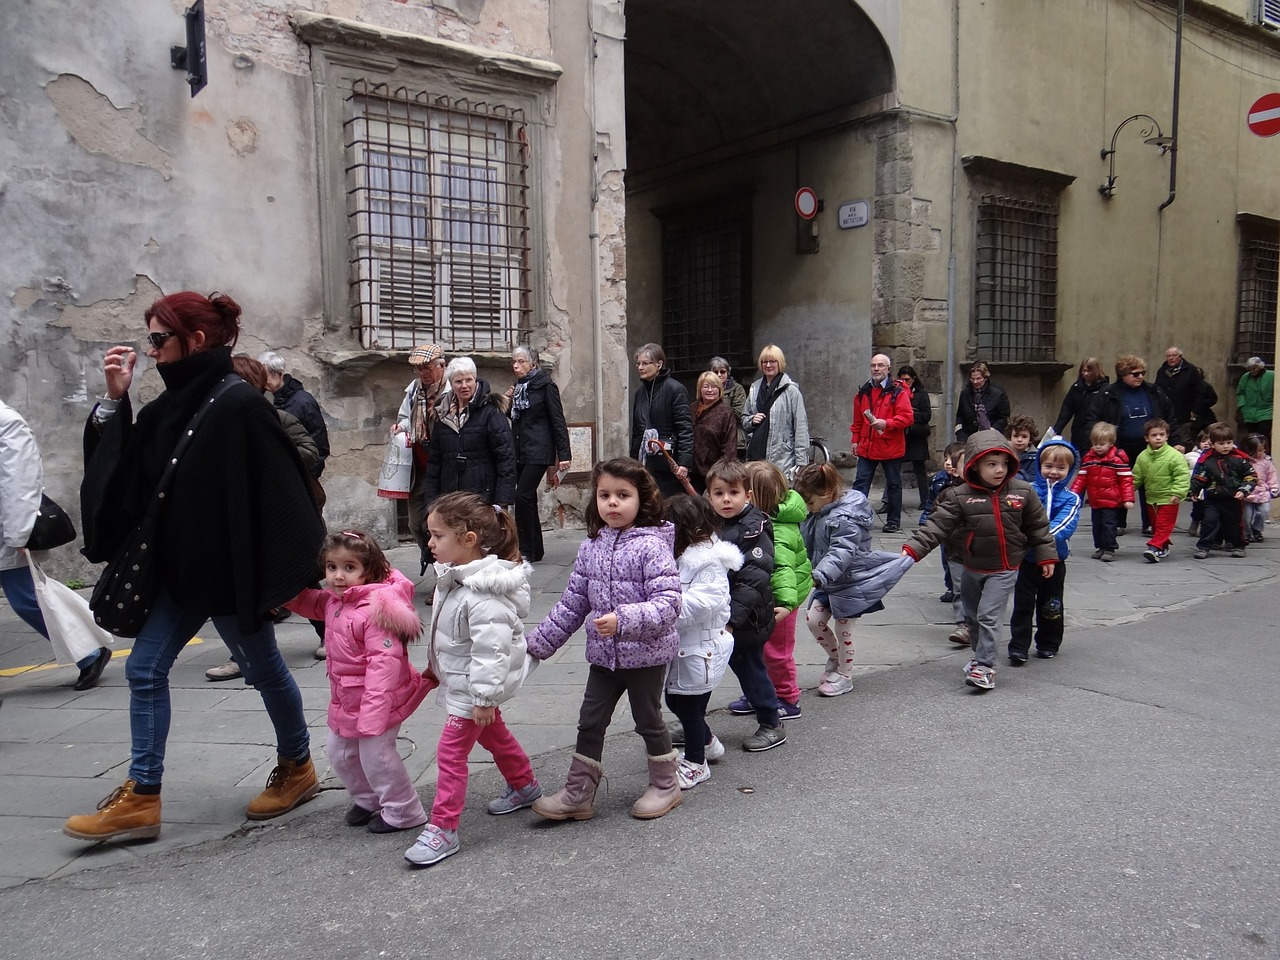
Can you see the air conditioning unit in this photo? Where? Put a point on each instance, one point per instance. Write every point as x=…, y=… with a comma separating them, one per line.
x=1269, y=14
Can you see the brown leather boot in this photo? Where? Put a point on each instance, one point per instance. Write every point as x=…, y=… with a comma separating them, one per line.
x=291, y=783
x=663, y=793
x=574, y=802
x=124, y=815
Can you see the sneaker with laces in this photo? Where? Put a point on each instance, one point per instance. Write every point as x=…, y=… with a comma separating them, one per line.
x=434, y=844
x=1107, y=557
x=675, y=730
x=960, y=635
x=689, y=775
x=788, y=711
x=765, y=738
x=1151, y=555
x=515, y=798
x=835, y=685
x=714, y=750
x=741, y=707
x=1162, y=552
x=976, y=675
x=223, y=671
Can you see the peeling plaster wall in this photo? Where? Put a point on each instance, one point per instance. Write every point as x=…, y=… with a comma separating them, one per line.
x=118, y=187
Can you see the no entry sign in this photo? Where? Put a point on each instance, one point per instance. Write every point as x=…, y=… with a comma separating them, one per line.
x=1264, y=115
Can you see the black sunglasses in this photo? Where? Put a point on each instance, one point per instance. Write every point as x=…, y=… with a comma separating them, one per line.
x=157, y=339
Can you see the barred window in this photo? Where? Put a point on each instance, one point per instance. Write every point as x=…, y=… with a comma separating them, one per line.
x=706, y=287
x=1256, y=301
x=1016, y=282
x=438, y=219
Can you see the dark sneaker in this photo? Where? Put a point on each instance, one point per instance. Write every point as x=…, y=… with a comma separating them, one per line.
x=1046, y=654
x=1146, y=531
x=515, y=799
x=788, y=711
x=890, y=527
x=1151, y=555
x=1097, y=554
x=1017, y=659
x=1107, y=557
x=1162, y=552
x=1121, y=531
x=984, y=678
x=741, y=707
x=765, y=738
x=378, y=825
x=358, y=816
x=948, y=597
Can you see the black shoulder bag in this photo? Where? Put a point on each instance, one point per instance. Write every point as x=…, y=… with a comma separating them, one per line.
x=127, y=589
x=53, y=527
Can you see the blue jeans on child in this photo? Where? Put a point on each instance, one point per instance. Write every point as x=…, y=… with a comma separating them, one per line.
x=747, y=664
x=986, y=598
x=167, y=630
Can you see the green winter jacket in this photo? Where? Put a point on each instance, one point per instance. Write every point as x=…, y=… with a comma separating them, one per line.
x=1253, y=396
x=1162, y=475
x=792, y=575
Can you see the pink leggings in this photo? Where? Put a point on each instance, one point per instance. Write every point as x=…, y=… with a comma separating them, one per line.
x=780, y=658
x=457, y=738
x=838, y=644
x=375, y=776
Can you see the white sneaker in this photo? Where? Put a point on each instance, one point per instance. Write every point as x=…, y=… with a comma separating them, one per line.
x=713, y=750
x=225, y=671
x=835, y=686
x=691, y=774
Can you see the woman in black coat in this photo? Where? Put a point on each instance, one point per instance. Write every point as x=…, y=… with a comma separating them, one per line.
x=471, y=447
x=1075, y=405
x=983, y=405
x=917, y=453
x=541, y=442
x=661, y=405
x=238, y=536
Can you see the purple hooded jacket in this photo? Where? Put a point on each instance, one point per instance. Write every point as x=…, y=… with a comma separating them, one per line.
x=632, y=573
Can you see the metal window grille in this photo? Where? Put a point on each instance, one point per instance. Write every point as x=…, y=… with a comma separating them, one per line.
x=438, y=220
x=1256, y=307
x=706, y=288
x=1016, y=287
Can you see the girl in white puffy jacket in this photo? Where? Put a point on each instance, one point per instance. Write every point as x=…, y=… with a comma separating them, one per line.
x=478, y=654
x=704, y=562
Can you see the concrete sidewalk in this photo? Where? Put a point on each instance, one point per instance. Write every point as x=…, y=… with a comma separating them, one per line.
x=61, y=752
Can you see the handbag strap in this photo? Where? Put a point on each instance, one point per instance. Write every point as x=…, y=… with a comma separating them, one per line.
x=225, y=384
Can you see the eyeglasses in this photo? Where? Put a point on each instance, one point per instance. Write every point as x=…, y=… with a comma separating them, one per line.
x=157, y=339
x=1136, y=373
x=646, y=363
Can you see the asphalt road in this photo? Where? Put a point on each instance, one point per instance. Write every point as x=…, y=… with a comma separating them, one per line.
x=1117, y=802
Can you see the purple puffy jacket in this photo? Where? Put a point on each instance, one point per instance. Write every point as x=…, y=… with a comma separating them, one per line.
x=631, y=573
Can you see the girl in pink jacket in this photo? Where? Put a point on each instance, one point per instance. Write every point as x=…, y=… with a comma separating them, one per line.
x=369, y=620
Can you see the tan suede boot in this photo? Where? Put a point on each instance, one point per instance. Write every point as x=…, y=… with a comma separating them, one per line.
x=575, y=801
x=291, y=783
x=663, y=793
x=124, y=815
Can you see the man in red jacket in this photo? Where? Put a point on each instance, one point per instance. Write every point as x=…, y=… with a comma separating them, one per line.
x=881, y=415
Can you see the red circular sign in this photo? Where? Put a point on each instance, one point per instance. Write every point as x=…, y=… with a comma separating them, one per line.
x=1264, y=115
x=807, y=203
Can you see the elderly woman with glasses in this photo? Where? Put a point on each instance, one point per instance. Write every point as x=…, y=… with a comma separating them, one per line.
x=541, y=439
x=1128, y=404
x=661, y=410
x=775, y=419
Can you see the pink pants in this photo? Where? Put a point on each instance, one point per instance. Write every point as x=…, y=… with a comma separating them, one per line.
x=456, y=740
x=1163, y=519
x=780, y=659
x=375, y=776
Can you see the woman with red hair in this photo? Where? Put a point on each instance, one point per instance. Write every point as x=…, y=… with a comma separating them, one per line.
x=238, y=536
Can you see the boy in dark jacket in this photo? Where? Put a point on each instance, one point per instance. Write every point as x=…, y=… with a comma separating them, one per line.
x=998, y=520
x=1222, y=479
x=1036, y=597
x=750, y=596
x=1021, y=432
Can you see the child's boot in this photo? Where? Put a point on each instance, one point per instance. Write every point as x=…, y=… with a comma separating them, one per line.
x=574, y=802
x=124, y=815
x=663, y=793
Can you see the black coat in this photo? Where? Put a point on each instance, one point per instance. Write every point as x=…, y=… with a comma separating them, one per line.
x=1107, y=403
x=1075, y=410
x=479, y=458
x=918, y=432
x=663, y=404
x=541, y=436
x=291, y=398
x=751, y=588
x=239, y=533
x=993, y=398
x=1184, y=389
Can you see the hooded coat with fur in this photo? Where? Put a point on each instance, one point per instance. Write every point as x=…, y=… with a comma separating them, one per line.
x=477, y=647
x=705, y=645
x=373, y=686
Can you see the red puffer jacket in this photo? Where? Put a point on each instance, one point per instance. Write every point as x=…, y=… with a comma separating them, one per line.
x=1106, y=481
x=893, y=406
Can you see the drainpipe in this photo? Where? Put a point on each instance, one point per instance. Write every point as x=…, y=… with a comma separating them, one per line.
x=949, y=396
x=597, y=324
x=1177, y=85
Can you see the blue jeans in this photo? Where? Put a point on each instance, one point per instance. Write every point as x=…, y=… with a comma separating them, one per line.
x=892, y=484
x=167, y=631
x=20, y=591
x=747, y=664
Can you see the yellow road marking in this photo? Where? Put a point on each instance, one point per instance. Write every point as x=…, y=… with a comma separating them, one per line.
x=37, y=667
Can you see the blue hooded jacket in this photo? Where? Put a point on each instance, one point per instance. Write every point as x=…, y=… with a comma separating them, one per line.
x=1062, y=506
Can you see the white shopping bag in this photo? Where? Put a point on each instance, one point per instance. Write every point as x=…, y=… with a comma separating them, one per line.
x=67, y=617
x=397, y=469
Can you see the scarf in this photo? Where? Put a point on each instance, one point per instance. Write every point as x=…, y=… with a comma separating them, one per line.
x=423, y=413
x=520, y=395
x=758, y=444
x=980, y=409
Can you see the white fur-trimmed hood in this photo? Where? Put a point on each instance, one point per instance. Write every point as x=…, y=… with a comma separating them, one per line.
x=492, y=575
x=715, y=549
